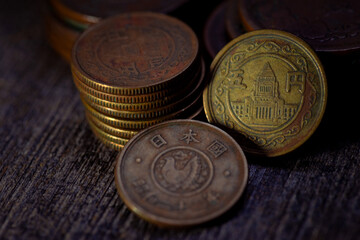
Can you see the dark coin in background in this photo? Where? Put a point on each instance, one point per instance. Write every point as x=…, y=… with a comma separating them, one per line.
x=215, y=36
x=326, y=25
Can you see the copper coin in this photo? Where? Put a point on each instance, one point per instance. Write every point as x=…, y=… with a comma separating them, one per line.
x=214, y=32
x=89, y=12
x=326, y=25
x=233, y=23
x=136, y=50
x=180, y=173
x=270, y=87
x=60, y=37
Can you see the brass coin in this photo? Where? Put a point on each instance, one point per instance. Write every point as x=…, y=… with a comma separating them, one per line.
x=118, y=132
x=140, y=98
x=142, y=111
x=105, y=136
x=189, y=111
x=136, y=53
x=181, y=173
x=148, y=109
x=270, y=87
x=60, y=37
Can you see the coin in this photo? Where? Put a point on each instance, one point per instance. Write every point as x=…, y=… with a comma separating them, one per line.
x=270, y=87
x=60, y=37
x=117, y=132
x=327, y=26
x=180, y=173
x=86, y=12
x=145, y=110
x=189, y=111
x=140, y=51
x=215, y=37
x=233, y=21
x=104, y=135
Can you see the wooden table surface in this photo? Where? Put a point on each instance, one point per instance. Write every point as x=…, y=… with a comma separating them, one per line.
x=57, y=181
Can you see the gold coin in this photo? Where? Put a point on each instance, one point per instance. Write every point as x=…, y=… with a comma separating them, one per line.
x=270, y=87
x=60, y=37
x=189, y=111
x=148, y=109
x=103, y=135
x=143, y=98
x=112, y=109
x=118, y=132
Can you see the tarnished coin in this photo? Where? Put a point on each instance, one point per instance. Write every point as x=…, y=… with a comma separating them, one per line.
x=117, y=132
x=136, y=51
x=215, y=37
x=270, y=87
x=189, y=111
x=60, y=37
x=87, y=12
x=181, y=173
x=233, y=23
x=326, y=25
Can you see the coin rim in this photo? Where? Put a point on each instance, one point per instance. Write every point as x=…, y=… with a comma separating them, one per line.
x=163, y=221
x=308, y=51
x=148, y=87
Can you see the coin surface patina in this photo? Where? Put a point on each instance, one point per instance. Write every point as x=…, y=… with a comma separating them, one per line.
x=270, y=87
x=181, y=172
x=139, y=50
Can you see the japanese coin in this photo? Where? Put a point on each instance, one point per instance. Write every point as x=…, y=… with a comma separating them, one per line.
x=326, y=25
x=270, y=87
x=137, y=53
x=233, y=23
x=215, y=36
x=85, y=12
x=60, y=37
x=180, y=173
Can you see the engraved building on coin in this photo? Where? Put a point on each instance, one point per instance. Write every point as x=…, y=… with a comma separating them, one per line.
x=270, y=87
x=180, y=173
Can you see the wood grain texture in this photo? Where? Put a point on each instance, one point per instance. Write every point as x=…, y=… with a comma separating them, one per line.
x=57, y=181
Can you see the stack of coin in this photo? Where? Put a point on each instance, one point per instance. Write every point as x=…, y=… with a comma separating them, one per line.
x=134, y=70
x=67, y=19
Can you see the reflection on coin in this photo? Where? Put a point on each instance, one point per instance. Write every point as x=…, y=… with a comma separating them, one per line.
x=270, y=87
x=180, y=173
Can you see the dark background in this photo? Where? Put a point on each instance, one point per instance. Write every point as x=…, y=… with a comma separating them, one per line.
x=57, y=181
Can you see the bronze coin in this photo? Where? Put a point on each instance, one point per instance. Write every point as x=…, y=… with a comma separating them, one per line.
x=326, y=25
x=136, y=51
x=90, y=12
x=270, y=87
x=165, y=95
x=181, y=173
x=60, y=37
x=233, y=23
x=214, y=32
x=146, y=111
